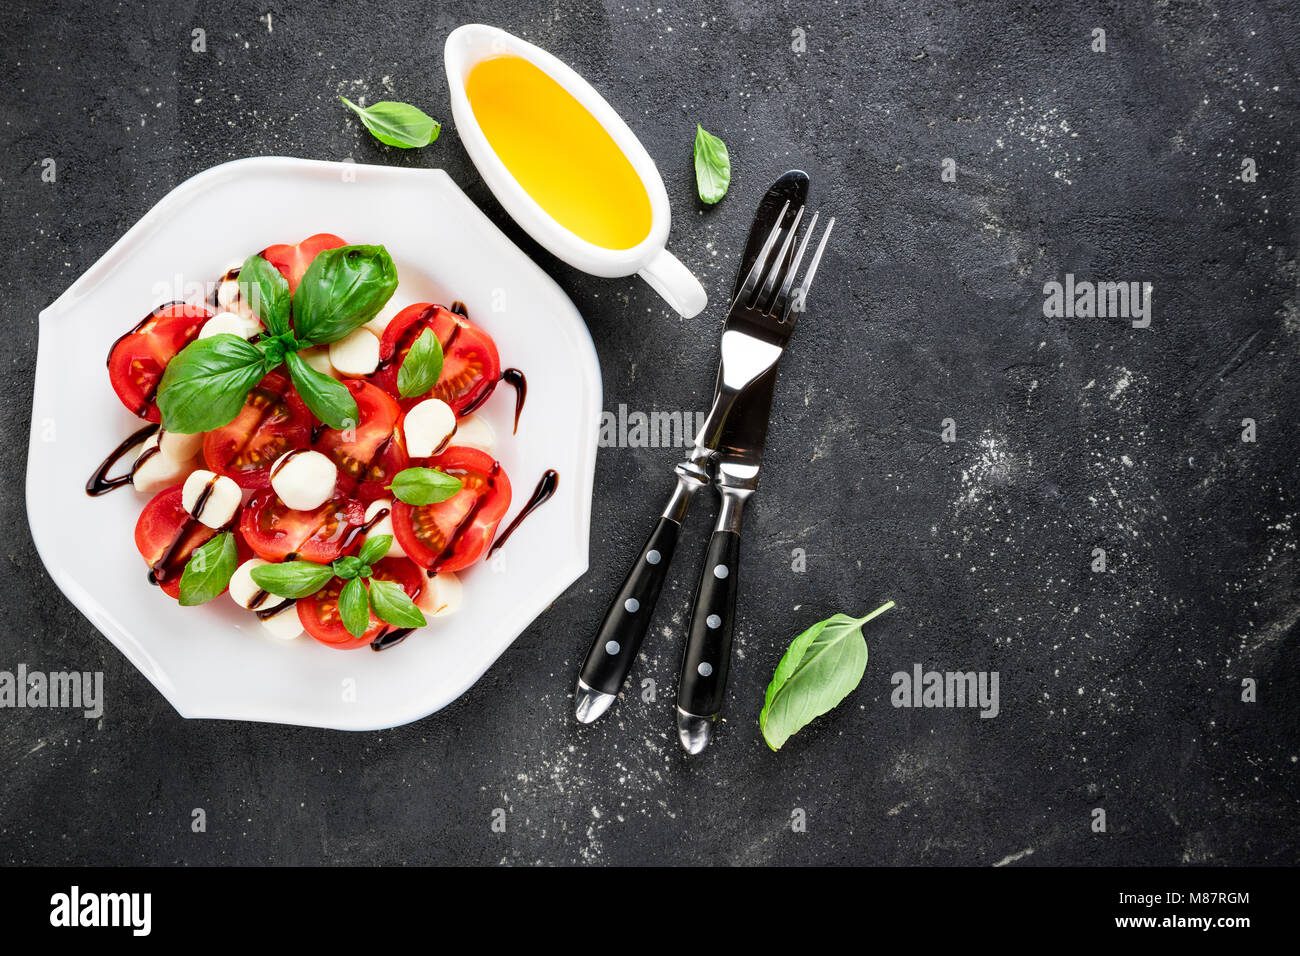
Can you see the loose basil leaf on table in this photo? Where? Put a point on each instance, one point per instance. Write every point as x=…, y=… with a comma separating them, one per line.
x=424, y=486
x=421, y=367
x=205, y=384
x=342, y=289
x=376, y=547
x=327, y=397
x=392, y=605
x=266, y=291
x=397, y=124
x=354, y=607
x=292, y=579
x=712, y=166
x=207, y=572
x=821, y=667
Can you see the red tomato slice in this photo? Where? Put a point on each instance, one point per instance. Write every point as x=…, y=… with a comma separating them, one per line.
x=166, y=537
x=471, y=366
x=370, y=455
x=274, y=531
x=292, y=261
x=137, y=359
x=453, y=534
x=319, y=613
x=269, y=425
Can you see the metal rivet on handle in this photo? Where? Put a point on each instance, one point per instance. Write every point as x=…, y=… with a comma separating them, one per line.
x=721, y=571
x=652, y=556
x=632, y=605
x=713, y=621
x=705, y=669
x=612, y=648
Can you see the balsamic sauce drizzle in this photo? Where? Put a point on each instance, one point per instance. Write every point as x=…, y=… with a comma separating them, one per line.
x=550, y=480
x=516, y=380
x=99, y=483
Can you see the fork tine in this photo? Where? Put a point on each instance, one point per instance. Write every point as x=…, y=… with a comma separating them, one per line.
x=765, y=300
x=802, y=294
x=760, y=261
x=781, y=306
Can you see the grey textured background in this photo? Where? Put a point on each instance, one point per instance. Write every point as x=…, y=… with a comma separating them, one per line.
x=1118, y=690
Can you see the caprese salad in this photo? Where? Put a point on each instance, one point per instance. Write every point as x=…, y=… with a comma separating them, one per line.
x=312, y=448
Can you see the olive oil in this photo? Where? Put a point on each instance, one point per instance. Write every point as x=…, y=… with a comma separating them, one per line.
x=558, y=152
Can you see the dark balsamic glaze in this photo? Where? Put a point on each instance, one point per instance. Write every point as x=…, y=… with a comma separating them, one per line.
x=230, y=276
x=267, y=613
x=390, y=638
x=288, y=457
x=99, y=483
x=466, y=521
x=459, y=308
x=165, y=566
x=260, y=595
x=316, y=431
x=516, y=380
x=362, y=529
x=550, y=480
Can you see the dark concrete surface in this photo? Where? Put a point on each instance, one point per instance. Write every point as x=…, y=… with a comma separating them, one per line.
x=1119, y=690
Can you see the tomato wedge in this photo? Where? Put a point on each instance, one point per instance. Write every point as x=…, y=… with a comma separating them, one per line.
x=292, y=261
x=269, y=425
x=370, y=455
x=453, y=534
x=166, y=537
x=320, y=612
x=137, y=359
x=274, y=531
x=471, y=366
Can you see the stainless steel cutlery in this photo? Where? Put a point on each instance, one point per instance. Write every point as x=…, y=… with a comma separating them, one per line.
x=768, y=301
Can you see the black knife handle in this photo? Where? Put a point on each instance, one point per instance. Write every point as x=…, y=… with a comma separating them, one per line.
x=614, y=651
x=707, y=658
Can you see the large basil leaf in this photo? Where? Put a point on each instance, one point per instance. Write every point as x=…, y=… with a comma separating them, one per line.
x=424, y=486
x=342, y=290
x=354, y=608
x=205, y=384
x=207, y=573
x=421, y=367
x=327, y=397
x=822, y=666
x=266, y=291
x=292, y=579
x=392, y=605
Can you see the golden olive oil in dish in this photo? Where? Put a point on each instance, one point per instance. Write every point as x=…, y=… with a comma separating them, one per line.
x=558, y=152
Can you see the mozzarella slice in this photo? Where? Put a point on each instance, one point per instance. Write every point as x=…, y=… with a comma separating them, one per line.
x=211, y=498
x=357, y=353
x=428, y=427
x=303, y=479
x=286, y=625
x=474, y=431
x=441, y=596
x=228, y=287
x=384, y=525
x=155, y=470
x=395, y=304
x=243, y=588
x=319, y=359
x=178, y=446
x=245, y=326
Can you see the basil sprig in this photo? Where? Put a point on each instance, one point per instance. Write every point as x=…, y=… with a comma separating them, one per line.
x=208, y=571
x=361, y=594
x=712, y=166
x=421, y=367
x=424, y=486
x=397, y=124
x=206, y=383
x=823, y=665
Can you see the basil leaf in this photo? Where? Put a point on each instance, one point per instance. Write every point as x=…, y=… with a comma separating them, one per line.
x=266, y=291
x=327, y=397
x=376, y=547
x=207, y=572
x=205, y=384
x=354, y=609
x=822, y=666
x=421, y=367
x=712, y=166
x=424, y=486
x=392, y=605
x=292, y=579
x=397, y=124
x=347, y=567
x=343, y=289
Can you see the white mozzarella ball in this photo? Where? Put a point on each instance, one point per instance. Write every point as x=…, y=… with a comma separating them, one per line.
x=245, y=326
x=441, y=596
x=178, y=446
x=286, y=625
x=303, y=479
x=228, y=293
x=384, y=525
x=474, y=431
x=319, y=359
x=357, y=353
x=155, y=470
x=243, y=588
x=211, y=498
x=395, y=304
x=428, y=427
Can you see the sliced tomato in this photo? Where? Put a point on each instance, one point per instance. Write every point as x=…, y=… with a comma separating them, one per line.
x=292, y=261
x=370, y=455
x=274, y=531
x=453, y=534
x=270, y=424
x=471, y=366
x=166, y=537
x=320, y=612
x=137, y=359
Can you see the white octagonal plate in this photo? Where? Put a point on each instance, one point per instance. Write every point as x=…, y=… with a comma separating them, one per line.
x=214, y=661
